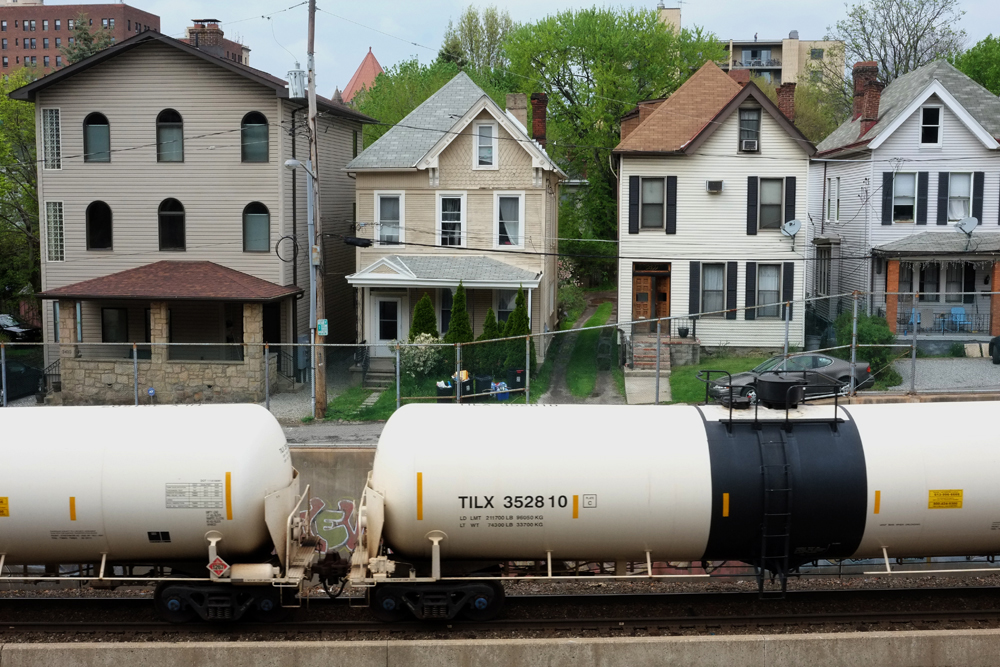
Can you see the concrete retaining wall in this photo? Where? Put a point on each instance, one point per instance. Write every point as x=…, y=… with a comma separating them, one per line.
x=938, y=648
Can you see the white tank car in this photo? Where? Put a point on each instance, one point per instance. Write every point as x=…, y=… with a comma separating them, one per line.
x=140, y=484
x=679, y=484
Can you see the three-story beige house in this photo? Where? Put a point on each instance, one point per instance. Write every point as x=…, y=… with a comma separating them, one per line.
x=457, y=191
x=168, y=217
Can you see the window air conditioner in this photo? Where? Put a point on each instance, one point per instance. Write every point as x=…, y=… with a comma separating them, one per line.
x=749, y=146
x=713, y=186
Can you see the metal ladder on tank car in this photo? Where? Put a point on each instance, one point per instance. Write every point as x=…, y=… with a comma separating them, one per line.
x=775, y=538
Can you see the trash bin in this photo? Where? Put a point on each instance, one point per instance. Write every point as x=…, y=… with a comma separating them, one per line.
x=484, y=385
x=446, y=392
x=515, y=379
x=466, y=389
x=500, y=391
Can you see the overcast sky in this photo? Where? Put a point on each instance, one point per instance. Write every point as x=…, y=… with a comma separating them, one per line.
x=341, y=45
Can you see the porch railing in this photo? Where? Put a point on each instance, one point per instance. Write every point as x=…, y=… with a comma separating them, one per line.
x=932, y=322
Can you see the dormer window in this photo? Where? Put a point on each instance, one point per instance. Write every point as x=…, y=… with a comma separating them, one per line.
x=930, y=126
x=485, y=156
x=749, y=130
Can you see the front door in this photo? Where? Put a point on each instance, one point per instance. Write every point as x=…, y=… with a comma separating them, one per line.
x=642, y=297
x=662, y=293
x=387, y=324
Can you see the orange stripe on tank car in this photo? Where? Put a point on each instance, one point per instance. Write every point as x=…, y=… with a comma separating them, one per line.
x=878, y=501
x=725, y=504
x=576, y=507
x=420, y=496
x=229, y=496
x=72, y=508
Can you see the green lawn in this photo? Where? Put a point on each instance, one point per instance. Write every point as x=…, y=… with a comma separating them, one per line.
x=685, y=387
x=581, y=372
x=574, y=302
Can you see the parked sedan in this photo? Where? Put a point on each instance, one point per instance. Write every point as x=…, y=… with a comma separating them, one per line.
x=823, y=375
x=22, y=379
x=18, y=332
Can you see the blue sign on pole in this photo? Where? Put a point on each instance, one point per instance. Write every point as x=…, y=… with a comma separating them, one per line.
x=322, y=328
x=151, y=392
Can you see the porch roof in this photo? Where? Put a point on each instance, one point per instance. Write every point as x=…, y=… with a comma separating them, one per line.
x=443, y=271
x=172, y=280
x=945, y=243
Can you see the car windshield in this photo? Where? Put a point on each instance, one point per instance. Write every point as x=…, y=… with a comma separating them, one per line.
x=8, y=321
x=768, y=365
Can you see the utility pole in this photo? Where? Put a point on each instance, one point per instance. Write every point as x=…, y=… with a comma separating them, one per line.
x=316, y=254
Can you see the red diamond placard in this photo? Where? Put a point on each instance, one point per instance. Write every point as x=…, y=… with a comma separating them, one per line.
x=218, y=567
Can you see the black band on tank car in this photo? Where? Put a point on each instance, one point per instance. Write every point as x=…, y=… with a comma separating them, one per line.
x=829, y=488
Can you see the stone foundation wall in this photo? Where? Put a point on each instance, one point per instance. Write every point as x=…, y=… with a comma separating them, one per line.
x=684, y=353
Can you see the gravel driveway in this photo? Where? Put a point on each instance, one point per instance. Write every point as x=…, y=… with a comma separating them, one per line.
x=953, y=374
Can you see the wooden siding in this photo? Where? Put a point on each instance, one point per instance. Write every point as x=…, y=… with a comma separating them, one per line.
x=713, y=228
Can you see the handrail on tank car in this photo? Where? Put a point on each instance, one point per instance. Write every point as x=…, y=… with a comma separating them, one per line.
x=708, y=382
x=805, y=399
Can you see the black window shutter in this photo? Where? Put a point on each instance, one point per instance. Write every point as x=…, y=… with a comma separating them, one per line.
x=886, y=197
x=978, y=180
x=633, y=204
x=730, y=290
x=787, y=287
x=969, y=283
x=923, y=179
x=789, y=198
x=942, y=198
x=694, y=290
x=751, y=300
x=751, y=205
x=671, y=204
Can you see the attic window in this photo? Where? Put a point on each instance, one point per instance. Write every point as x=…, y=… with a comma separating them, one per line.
x=485, y=152
x=749, y=130
x=930, y=126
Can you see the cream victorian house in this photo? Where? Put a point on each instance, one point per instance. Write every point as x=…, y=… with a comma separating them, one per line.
x=456, y=191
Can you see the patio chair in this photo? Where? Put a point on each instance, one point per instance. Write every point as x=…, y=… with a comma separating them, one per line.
x=958, y=319
x=910, y=324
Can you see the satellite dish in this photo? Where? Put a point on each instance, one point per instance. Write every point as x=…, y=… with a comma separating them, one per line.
x=967, y=225
x=791, y=228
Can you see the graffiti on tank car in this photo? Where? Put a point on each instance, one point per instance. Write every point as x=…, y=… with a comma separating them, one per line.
x=337, y=529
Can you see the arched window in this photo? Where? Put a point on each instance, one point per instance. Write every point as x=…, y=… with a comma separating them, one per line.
x=169, y=136
x=96, y=138
x=98, y=226
x=256, y=228
x=253, y=137
x=171, y=217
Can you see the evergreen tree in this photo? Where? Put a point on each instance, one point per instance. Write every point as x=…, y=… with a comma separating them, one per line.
x=459, y=329
x=518, y=325
x=491, y=329
x=424, y=320
x=82, y=43
x=490, y=355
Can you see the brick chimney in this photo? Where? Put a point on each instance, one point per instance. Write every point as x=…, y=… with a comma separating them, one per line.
x=517, y=105
x=863, y=74
x=869, y=105
x=740, y=76
x=786, y=100
x=647, y=107
x=205, y=33
x=539, y=104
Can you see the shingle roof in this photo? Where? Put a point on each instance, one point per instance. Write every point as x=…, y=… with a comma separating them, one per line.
x=409, y=140
x=979, y=102
x=685, y=113
x=449, y=269
x=952, y=242
x=364, y=77
x=175, y=280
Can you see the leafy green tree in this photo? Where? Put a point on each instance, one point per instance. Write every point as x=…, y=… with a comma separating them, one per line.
x=479, y=38
x=459, y=328
x=82, y=43
x=19, y=229
x=900, y=35
x=816, y=112
x=424, y=320
x=982, y=63
x=595, y=65
x=518, y=324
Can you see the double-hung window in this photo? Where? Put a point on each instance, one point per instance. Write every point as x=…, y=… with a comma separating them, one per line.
x=769, y=290
x=771, y=198
x=96, y=138
x=169, y=136
x=954, y=282
x=114, y=325
x=51, y=139
x=254, y=138
x=506, y=300
x=959, y=196
x=749, y=130
x=451, y=218
x=256, y=228
x=390, y=217
x=509, y=219
x=651, y=198
x=833, y=199
x=486, y=140
x=930, y=126
x=447, y=299
x=822, y=271
x=905, y=281
x=904, y=197
x=713, y=289
x=930, y=282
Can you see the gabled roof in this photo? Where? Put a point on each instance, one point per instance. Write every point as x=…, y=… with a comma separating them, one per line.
x=172, y=280
x=279, y=86
x=692, y=114
x=364, y=77
x=939, y=77
x=417, y=140
x=443, y=271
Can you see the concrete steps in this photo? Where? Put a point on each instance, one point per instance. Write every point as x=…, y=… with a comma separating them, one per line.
x=644, y=354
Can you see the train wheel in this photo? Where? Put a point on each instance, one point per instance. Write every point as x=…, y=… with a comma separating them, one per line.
x=171, y=606
x=267, y=606
x=486, y=605
x=388, y=605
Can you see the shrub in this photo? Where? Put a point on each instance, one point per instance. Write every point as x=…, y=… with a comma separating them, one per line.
x=420, y=360
x=487, y=358
x=424, y=320
x=518, y=325
x=872, y=330
x=459, y=329
x=956, y=350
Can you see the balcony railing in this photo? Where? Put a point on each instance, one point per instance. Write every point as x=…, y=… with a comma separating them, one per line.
x=748, y=64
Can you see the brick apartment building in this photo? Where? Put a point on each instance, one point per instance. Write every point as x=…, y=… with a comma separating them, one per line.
x=32, y=33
